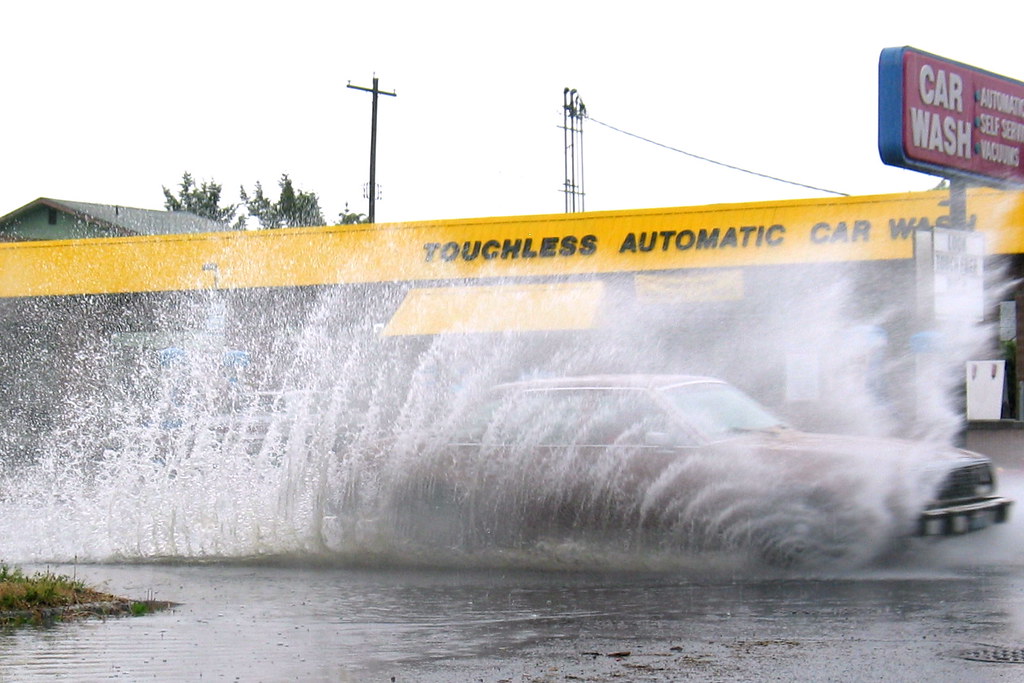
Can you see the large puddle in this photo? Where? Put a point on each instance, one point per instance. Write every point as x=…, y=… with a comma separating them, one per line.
x=301, y=622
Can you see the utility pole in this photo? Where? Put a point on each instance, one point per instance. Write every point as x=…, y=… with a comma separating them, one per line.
x=372, y=191
x=573, y=113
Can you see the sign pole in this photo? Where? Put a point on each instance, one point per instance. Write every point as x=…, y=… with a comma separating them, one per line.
x=958, y=203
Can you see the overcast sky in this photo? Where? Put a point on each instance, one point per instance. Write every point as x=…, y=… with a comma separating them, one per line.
x=109, y=101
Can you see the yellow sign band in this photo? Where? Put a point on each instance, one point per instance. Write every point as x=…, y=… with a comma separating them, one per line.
x=729, y=235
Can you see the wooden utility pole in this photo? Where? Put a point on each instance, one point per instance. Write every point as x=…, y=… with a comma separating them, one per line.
x=372, y=190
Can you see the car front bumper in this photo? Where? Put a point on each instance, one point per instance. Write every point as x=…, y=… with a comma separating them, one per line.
x=965, y=517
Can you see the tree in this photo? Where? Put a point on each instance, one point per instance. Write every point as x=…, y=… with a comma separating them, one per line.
x=293, y=208
x=347, y=217
x=202, y=200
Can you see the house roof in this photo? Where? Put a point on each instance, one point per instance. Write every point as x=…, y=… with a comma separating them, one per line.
x=125, y=220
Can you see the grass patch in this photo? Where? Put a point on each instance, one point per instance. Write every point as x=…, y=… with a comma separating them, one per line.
x=21, y=592
x=46, y=596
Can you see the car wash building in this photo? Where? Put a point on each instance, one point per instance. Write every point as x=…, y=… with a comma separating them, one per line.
x=818, y=307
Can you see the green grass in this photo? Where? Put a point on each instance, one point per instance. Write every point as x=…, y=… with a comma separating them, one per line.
x=19, y=592
x=46, y=597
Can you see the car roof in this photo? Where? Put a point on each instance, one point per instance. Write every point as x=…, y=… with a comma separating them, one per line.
x=625, y=381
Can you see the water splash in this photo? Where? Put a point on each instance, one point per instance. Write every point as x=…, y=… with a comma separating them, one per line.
x=325, y=440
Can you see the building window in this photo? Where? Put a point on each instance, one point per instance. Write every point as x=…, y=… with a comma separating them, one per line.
x=52, y=217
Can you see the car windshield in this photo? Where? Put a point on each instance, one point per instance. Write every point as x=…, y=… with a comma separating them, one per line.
x=718, y=410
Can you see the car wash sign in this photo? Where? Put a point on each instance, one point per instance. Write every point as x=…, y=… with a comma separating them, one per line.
x=949, y=119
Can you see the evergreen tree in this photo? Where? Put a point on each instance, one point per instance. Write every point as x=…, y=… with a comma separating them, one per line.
x=293, y=208
x=202, y=200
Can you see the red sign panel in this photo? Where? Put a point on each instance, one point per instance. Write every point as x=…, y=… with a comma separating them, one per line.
x=947, y=118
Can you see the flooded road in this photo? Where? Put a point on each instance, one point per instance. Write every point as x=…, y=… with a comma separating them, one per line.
x=290, y=622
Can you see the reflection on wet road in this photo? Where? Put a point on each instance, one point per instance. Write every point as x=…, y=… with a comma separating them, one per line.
x=248, y=622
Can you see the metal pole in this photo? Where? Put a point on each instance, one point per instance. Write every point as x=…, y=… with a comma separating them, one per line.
x=565, y=144
x=581, y=114
x=572, y=144
x=958, y=203
x=573, y=113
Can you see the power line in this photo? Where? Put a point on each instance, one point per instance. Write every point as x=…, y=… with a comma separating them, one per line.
x=717, y=163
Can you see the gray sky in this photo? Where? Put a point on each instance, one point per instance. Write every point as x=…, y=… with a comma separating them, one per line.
x=108, y=101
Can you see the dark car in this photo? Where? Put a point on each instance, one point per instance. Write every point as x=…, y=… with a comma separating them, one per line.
x=685, y=462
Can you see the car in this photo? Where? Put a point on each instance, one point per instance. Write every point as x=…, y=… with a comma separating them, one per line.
x=669, y=462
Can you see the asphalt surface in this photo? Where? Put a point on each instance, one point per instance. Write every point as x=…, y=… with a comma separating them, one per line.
x=937, y=616
x=947, y=610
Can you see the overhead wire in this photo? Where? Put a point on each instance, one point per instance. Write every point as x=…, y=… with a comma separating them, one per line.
x=717, y=163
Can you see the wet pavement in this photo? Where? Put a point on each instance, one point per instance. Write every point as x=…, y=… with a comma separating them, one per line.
x=274, y=623
x=951, y=610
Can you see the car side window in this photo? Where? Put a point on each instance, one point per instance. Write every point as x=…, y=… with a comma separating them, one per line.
x=624, y=417
x=581, y=416
x=473, y=423
x=529, y=418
